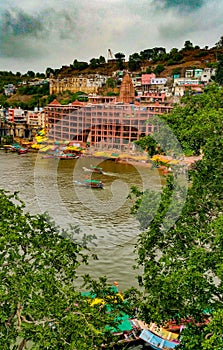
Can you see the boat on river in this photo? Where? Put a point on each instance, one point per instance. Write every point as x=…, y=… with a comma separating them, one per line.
x=90, y=183
x=157, y=342
x=94, y=169
x=68, y=156
x=22, y=150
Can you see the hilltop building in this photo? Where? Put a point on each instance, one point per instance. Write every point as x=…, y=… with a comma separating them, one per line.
x=88, y=84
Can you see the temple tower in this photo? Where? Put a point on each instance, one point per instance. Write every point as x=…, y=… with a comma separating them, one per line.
x=127, y=91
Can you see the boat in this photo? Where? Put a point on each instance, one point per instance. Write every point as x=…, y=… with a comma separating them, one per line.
x=67, y=156
x=22, y=150
x=12, y=148
x=90, y=183
x=94, y=169
x=156, y=342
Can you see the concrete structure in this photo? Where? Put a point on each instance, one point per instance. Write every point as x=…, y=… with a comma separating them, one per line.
x=186, y=81
x=35, y=118
x=85, y=83
x=158, y=81
x=207, y=75
x=16, y=115
x=150, y=97
x=93, y=98
x=9, y=89
x=146, y=78
x=180, y=90
x=106, y=126
x=198, y=73
x=146, y=81
x=189, y=73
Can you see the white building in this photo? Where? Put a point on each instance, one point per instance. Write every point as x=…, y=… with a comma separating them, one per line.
x=158, y=81
x=207, y=75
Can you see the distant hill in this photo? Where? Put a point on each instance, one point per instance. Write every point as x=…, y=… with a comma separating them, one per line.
x=175, y=61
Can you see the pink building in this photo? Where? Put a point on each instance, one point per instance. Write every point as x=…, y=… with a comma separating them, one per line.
x=108, y=126
x=146, y=78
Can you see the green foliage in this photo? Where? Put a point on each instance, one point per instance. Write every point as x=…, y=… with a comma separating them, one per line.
x=40, y=304
x=40, y=90
x=97, y=62
x=159, y=69
x=149, y=70
x=110, y=83
x=219, y=44
x=135, y=61
x=188, y=45
x=176, y=71
x=182, y=260
x=219, y=70
x=202, y=53
x=79, y=65
x=148, y=144
x=197, y=119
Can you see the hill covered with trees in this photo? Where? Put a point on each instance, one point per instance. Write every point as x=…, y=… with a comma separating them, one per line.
x=156, y=60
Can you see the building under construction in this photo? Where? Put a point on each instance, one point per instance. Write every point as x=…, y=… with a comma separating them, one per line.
x=108, y=126
x=111, y=125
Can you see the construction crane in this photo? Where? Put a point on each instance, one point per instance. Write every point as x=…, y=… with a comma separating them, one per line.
x=110, y=55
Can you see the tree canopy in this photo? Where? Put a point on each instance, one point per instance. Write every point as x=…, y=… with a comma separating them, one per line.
x=182, y=266
x=41, y=303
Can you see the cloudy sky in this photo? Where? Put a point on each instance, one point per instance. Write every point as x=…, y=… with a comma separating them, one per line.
x=38, y=34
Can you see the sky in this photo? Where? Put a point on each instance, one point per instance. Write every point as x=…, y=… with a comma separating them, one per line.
x=35, y=35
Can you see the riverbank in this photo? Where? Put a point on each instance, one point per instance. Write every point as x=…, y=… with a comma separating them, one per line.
x=142, y=159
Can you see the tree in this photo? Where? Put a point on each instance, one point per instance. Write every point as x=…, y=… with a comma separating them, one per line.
x=219, y=44
x=79, y=65
x=182, y=259
x=219, y=70
x=120, y=58
x=49, y=72
x=39, y=301
x=110, y=83
x=40, y=75
x=148, y=144
x=196, y=118
x=146, y=54
x=102, y=60
x=188, y=45
x=149, y=70
x=30, y=74
x=134, y=62
x=159, y=69
x=94, y=63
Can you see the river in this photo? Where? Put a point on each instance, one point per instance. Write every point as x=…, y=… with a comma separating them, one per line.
x=48, y=185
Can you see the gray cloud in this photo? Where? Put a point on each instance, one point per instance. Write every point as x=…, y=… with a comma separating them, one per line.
x=35, y=35
x=181, y=5
x=23, y=34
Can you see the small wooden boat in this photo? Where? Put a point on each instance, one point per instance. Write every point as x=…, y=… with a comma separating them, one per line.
x=90, y=183
x=68, y=156
x=22, y=150
x=94, y=169
x=156, y=342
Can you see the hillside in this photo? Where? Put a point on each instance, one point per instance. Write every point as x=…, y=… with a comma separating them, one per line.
x=184, y=59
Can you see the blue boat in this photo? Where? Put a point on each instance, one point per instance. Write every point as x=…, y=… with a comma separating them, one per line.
x=156, y=342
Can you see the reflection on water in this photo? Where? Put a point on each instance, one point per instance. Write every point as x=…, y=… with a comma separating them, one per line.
x=48, y=185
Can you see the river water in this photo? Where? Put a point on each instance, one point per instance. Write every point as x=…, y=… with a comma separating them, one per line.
x=48, y=185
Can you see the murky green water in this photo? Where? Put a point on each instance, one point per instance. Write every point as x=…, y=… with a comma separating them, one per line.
x=48, y=185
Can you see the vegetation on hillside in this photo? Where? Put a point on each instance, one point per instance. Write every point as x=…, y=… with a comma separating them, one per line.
x=182, y=266
x=152, y=60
